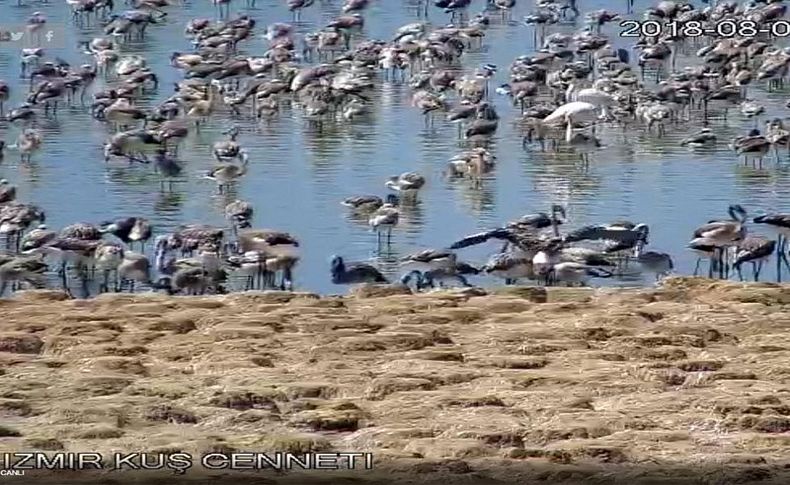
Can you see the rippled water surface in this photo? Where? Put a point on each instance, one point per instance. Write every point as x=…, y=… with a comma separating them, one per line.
x=299, y=174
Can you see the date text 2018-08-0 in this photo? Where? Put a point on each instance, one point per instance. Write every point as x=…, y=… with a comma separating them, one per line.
x=724, y=29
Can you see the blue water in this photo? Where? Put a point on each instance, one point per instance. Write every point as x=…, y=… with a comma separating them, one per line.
x=298, y=174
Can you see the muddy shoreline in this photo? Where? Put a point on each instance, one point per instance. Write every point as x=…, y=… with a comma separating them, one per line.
x=686, y=383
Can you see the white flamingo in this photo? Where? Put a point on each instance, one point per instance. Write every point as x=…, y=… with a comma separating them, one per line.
x=594, y=95
x=130, y=64
x=572, y=113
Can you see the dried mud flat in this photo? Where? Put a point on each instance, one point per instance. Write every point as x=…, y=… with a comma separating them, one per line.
x=687, y=383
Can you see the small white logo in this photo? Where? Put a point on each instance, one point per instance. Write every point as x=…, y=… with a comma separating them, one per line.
x=15, y=36
x=12, y=473
x=49, y=36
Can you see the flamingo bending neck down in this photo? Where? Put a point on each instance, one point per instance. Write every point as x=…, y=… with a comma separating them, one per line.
x=572, y=113
x=594, y=95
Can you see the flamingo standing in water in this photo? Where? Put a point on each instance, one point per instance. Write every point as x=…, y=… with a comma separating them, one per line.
x=594, y=95
x=573, y=113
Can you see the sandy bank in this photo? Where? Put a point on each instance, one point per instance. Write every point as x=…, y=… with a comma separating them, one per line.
x=522, y=385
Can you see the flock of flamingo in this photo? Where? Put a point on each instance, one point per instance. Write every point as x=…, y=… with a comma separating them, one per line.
x=569, y=85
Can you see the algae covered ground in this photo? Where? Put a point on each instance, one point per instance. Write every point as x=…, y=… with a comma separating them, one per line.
x=686, y=383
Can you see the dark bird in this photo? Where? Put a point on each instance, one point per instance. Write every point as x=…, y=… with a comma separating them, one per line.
x=351, y=273
x=38, y=237
x=189, y=237
x=577, y=273
x=618, y=234
x=267, y=240
x=345, y=22
x=704, y=137
x=23, y=113
x=7, y=192
x=368, y=203
x=166, y=166
x=129, y=230
x=635, y=239
x=432, y=278
x=23, y=269
x=416, y=278
x=526, y=241
x=755, y=250
x=481, y=127
x=296, y=6
x=408, y=182
x=655, y=262
x=5, y=93
x=704, y=249
x=725, y=232
x=509, y=266
x=541, y=220
x=16, y=217
x=721, y=234
x=780, y=224
x=81, y=230
x=189, y=281
x=430, y=259
x=754, y=146
x=442, y=276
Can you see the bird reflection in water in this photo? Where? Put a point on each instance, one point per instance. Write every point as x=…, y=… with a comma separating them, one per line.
x=169, y=202
x=479, y=200
x=220, y=201
x=388, y=261
x=411, y=215
x=124, y=177
x=31, y=171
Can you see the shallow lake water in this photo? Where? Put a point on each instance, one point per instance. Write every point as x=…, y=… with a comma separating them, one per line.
x=299, y=174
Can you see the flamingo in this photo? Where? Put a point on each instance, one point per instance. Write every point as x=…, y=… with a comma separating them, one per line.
x=594, y=95
x=575, y=112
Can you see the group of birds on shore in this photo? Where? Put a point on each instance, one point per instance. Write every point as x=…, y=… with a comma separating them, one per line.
x=594, y=251
x=568, y=86
x=194, y=259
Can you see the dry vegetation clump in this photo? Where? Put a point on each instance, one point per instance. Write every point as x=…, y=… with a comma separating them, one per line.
x=46, y=444
x=99, y=432
x=171, y=414
x=15, y=407
x=100, y=385
x=20, y=343
x=344, y=416
x=521, y=385
x=296, y=443
x=6, y=432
